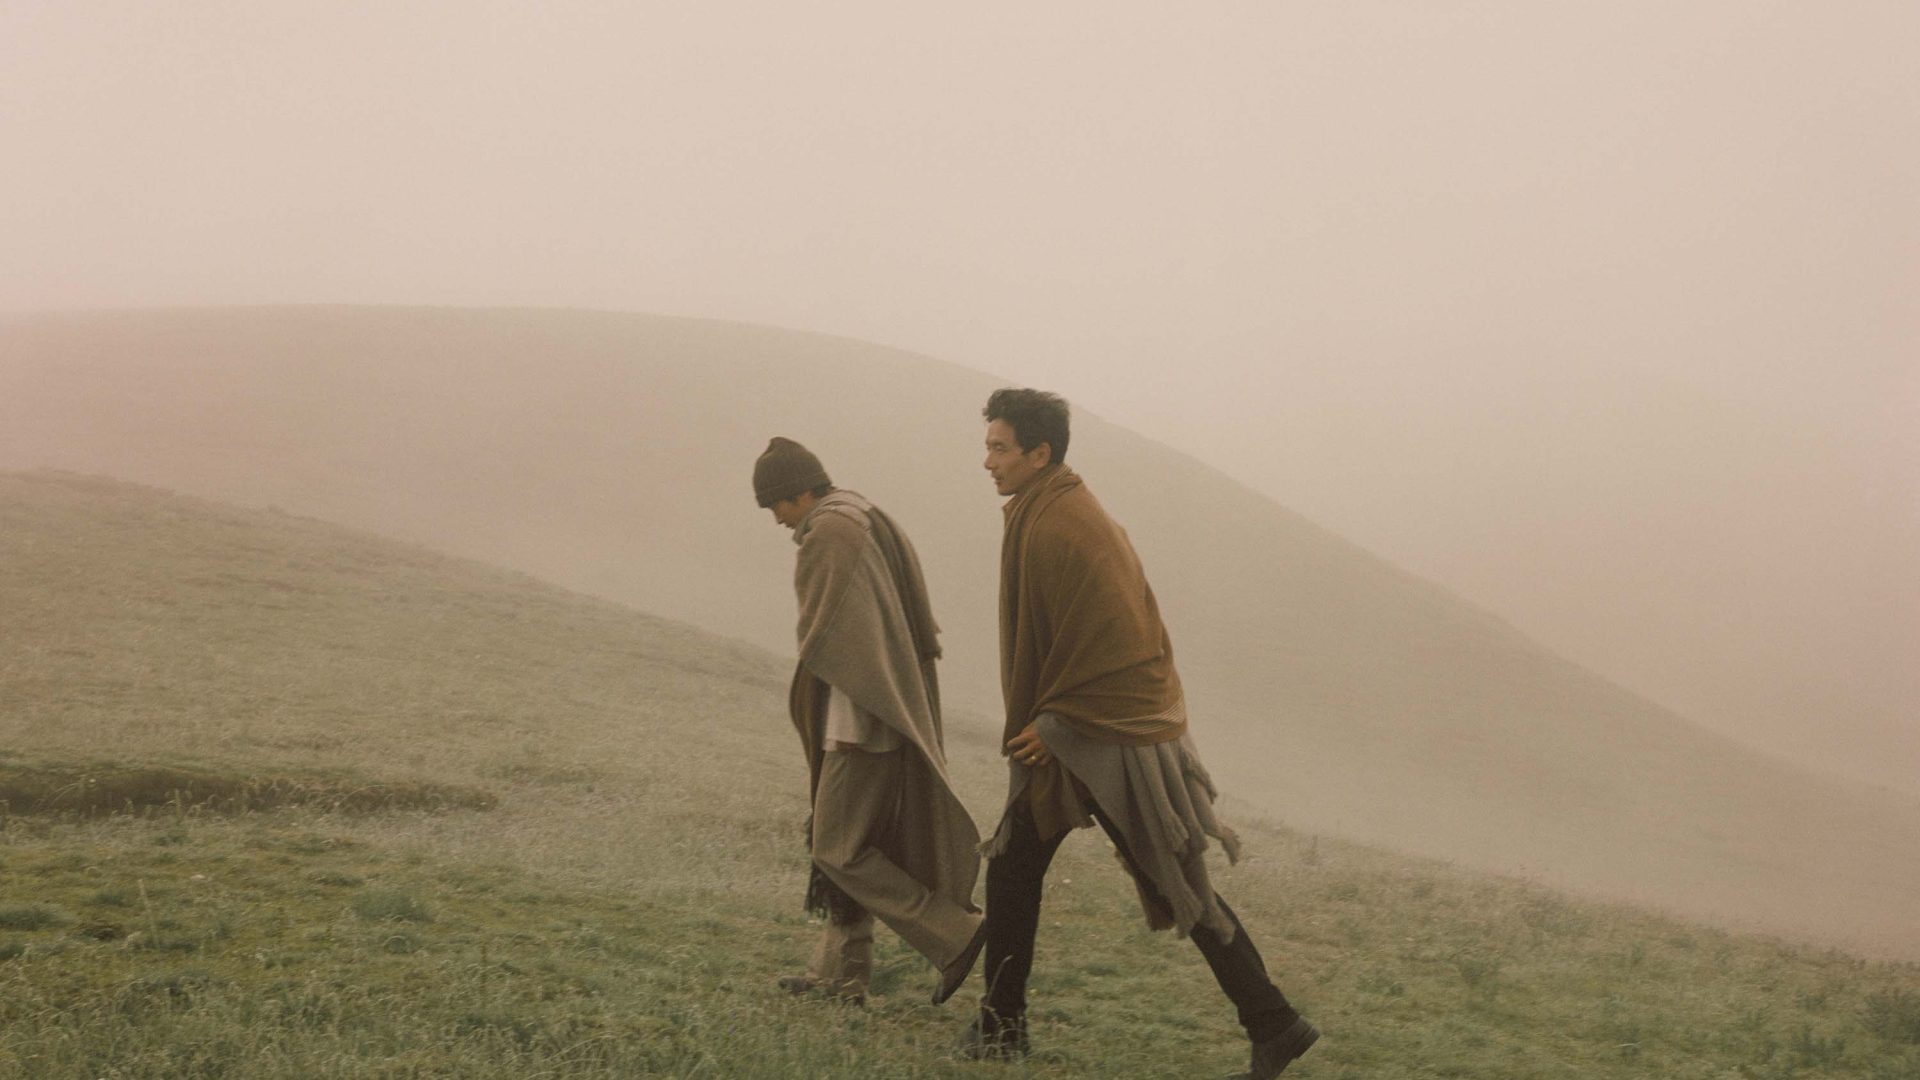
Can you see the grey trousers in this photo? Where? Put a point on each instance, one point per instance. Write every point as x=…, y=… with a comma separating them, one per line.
x=853, y=816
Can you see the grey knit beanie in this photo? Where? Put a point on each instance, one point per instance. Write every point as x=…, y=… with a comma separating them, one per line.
x=784, y=470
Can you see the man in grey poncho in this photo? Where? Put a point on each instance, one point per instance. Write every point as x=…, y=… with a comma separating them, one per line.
x=888, y=835
x=1096, y=730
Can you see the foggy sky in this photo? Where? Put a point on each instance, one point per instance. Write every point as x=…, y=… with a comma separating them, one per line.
x=1605, y=315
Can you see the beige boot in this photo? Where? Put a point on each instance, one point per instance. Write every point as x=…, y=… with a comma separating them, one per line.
x=842, y=964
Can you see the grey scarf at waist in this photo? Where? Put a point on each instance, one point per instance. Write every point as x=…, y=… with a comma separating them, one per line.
x=1160, y=798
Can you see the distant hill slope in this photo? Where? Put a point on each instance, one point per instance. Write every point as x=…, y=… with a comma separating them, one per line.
x=610, y=453
x=152, y=628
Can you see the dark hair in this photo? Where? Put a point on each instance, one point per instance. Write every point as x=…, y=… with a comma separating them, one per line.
x=1034, y=415
x=820, y=491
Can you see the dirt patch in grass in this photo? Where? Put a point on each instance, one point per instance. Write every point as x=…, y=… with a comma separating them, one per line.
x=98, y=791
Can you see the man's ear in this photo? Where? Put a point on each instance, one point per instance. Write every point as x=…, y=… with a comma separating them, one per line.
x=1047, y=458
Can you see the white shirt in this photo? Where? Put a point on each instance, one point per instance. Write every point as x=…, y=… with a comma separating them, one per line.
x=849, y=727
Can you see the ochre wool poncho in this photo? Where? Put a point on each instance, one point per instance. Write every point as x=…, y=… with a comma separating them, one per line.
x=1080, y=633
x=1087, y=661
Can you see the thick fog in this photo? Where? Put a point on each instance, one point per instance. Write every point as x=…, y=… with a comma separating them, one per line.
x=1604, y=316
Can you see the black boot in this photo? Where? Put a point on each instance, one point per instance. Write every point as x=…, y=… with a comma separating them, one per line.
x=992, y=1037
x=1272, y=1056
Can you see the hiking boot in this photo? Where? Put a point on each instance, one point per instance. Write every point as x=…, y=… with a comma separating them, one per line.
x=802, y=985
x=993, y=1038
x=954, y=975
x=1272, y=1056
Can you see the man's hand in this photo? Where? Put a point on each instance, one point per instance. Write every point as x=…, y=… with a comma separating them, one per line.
x=1028, y=749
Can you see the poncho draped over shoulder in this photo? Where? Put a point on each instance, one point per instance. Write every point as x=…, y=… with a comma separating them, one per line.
x=866, y=628
x=1085, y=657
x=1080, y=633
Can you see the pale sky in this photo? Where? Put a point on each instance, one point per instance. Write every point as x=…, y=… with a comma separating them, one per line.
x=1604, y=315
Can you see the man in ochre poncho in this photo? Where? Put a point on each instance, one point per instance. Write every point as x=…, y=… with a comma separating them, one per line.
x=1096, y=730
x=889, y=837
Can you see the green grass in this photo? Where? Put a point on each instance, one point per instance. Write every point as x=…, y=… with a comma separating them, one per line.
x=624, y=906
x=107, y=789
x=302, y=944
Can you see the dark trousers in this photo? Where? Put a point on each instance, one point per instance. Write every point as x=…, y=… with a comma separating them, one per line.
x=1014, y=880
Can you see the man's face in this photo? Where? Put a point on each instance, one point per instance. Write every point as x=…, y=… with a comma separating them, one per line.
x=1011, y=467
x=788, y=512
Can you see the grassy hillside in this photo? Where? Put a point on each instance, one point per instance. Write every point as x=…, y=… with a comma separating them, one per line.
x=608, y=880
x=611, y=454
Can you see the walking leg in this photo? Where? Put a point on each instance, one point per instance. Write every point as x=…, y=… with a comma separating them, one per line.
x=1014, y=881
x=853, y=809
x=1236, y=963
